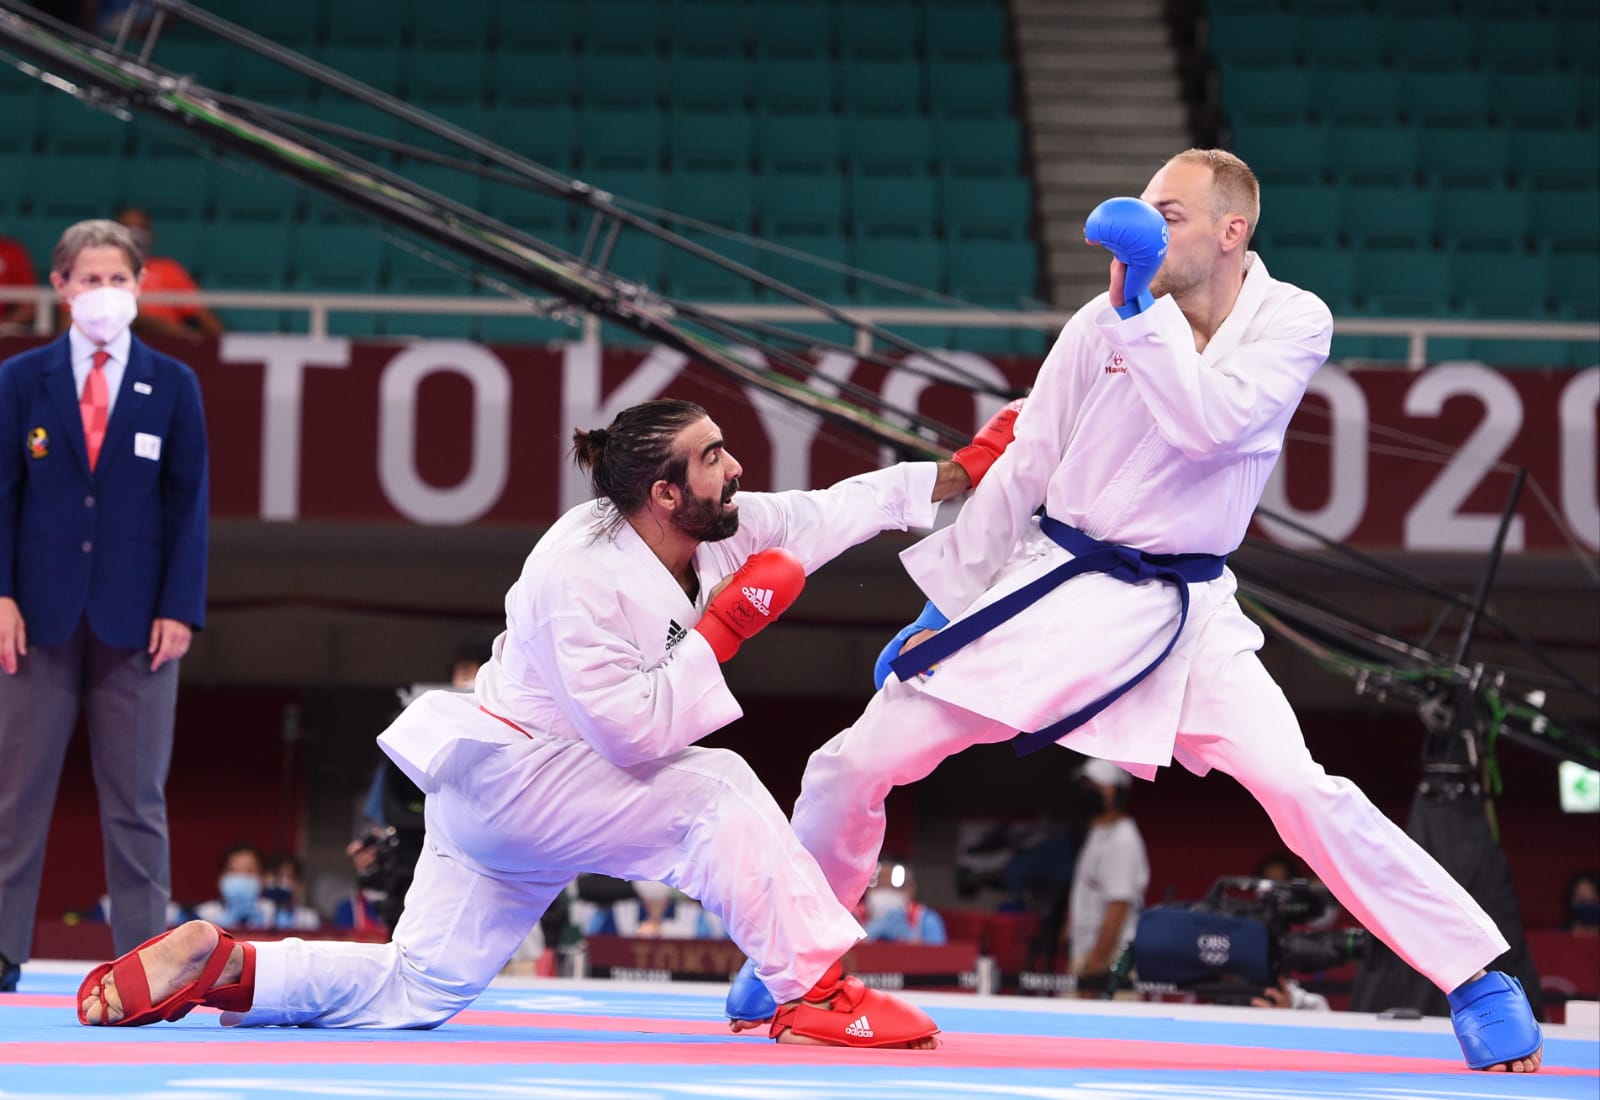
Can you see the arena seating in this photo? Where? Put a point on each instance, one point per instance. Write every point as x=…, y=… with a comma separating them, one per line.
x=1424, y=158
x=882, y=135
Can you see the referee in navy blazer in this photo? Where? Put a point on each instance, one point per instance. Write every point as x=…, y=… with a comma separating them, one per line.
x=103, y=525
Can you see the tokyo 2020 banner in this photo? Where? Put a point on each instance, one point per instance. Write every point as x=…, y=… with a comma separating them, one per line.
x=452, y=432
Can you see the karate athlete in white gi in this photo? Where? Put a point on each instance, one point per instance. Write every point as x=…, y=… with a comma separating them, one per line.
x=1153, y=424
x=576, y=752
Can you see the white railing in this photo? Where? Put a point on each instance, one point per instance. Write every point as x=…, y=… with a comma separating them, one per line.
x=319, y=307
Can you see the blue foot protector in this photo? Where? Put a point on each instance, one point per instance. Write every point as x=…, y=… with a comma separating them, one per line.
x=1494, y=1021
x=748, y=999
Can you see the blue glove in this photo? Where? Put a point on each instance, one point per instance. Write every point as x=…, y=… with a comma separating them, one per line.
x=1136, y=234
x=930, y=619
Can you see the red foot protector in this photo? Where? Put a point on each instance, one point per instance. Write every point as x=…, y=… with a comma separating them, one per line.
x=134, y=989
x=844, y=1012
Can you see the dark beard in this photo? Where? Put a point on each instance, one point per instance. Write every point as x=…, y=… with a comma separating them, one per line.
x=703, y=518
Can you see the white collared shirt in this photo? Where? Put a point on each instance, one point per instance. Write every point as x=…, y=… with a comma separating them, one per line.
x=83, y=350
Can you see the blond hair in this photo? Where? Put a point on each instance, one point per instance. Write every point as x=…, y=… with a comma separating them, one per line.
x=94, y=233
x=1234, y=188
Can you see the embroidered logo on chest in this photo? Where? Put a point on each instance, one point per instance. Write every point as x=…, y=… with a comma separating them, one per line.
x=1116, y=364
x=675, y=634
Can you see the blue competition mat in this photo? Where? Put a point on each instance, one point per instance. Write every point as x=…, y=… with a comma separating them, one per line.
x=528, y=1039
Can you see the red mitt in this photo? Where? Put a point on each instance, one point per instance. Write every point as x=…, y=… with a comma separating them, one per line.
x=990, y=442
x=758, y=592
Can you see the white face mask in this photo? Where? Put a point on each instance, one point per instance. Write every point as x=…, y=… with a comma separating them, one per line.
x=104, y=313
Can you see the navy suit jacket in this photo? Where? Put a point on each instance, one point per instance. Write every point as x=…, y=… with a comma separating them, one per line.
x=126, y=544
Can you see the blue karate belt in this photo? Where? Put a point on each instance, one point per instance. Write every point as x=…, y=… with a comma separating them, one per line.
x=1089, y=555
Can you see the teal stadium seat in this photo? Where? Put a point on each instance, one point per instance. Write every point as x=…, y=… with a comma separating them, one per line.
x=1383, y=216
x=707, y=27
x=631, y=186
x=1404, y=282
x=295, y=23
x=1580, y=36
x=365, y=22
x=979, y=146
x=1275, y=94
x=452, y=183
x=618, y=138
x=70, y=126
x=689, y=276
x=74, y=186
x=1386, y=154
x=795, y=85
x=964, y=32
x=807, y=143
x=532, y=329
x=798, y=29
x=892, y=146
x=1424, y=41
x=973, y=89
x=621, y=23
x=804, y=272
x=640, y=257
x=1574, y=280
x=1358, y=96
x=374, y=65
x=337, y=258
x=243, y=195
x=708, y=82
x=1512, y=285
x=807, y=205
x=1475, y=157
x=883, y=29
x=19, y=131
x=1342, y=39
x=1556, y=158
x=986, y=270
x=1482, y=218
x=543, y=133
x=1538, y=99
x=917, y=262
x=442, y=25
x=245, y=256
x=1283, y=153
x=445, y=74
x=172, y=189
x=894, y=206
x=1444, y=97
x=726, y=199
x=711, y=140
x=1565, y=220
x=981, y=208
x=890, y=87
x=1301, y=215
x=1525, y=40
x=532, y=27
x=1260, y=36
x=521, y=78
x=624, y=78
x=1329, y=273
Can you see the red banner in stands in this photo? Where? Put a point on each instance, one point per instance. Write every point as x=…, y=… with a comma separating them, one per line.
x=453, y=432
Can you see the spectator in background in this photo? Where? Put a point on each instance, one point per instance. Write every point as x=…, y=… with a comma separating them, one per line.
x=1113, y=871
x=163, y=275
x=16, y=269
x=1583, y=904
x=103, y=529
x=363, y=909
x=893, y=912
x=1278, y=866
x=285, y=890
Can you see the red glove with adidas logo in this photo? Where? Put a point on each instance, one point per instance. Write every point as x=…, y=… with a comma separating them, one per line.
x=990, y=442
x=758, y=592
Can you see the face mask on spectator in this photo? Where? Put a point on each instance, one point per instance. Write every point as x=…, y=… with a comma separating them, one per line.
x=104, y=313
x=882, y=900
x=240, y=892
x=1586, y=912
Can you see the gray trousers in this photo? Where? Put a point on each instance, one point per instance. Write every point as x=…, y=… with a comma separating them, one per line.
x=130, y=715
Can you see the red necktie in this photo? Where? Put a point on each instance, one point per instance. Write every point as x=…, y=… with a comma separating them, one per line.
x=95, y=404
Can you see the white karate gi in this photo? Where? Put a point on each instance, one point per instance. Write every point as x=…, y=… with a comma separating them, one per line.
x=1134, y=438
x=604, y=688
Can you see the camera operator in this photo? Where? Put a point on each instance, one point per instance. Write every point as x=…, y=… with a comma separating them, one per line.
x=385, y=853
